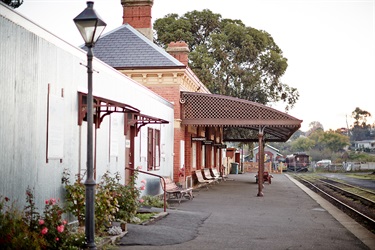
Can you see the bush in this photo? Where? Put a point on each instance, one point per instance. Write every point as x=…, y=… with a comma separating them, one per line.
x=361, y=157
x=75, y=197
x=128, y=200
x=15, y=232
x=152, y=201
x=106, y=201
x=28, y=229
x=113, y=201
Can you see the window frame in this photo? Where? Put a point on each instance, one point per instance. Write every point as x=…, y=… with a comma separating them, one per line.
x=153, y=149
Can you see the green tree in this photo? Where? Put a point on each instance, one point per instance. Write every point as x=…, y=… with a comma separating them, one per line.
x=228, y=57
x=360, y=129
x=302, y=144
x=317, y=137
x=334, y=141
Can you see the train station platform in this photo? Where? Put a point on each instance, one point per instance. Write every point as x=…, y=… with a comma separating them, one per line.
x=229, y=215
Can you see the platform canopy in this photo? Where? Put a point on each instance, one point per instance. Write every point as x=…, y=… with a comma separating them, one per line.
x=242, y=120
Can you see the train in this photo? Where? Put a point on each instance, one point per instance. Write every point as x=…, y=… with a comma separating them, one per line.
x=297, y=162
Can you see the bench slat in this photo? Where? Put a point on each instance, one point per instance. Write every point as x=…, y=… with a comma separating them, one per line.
x=173, y=190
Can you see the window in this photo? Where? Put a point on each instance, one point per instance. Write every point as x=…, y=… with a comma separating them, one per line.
x=153, y=149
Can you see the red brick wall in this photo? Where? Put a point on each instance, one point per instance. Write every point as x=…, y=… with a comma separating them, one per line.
x=137, y=16
x=172, y=94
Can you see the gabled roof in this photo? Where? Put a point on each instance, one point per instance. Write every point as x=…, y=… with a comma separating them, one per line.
x=125, y=47
x=273, y=148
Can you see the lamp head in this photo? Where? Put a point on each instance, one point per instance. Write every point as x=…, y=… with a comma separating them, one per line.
x=90, y=25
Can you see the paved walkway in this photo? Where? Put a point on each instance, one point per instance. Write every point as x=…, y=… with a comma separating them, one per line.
x=230, y=216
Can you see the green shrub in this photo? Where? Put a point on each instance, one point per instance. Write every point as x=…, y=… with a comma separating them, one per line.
x=113, y=201
x=128, y=199
x=106, y=201
x=74, y=197
x=152, y=201
x=28, y=229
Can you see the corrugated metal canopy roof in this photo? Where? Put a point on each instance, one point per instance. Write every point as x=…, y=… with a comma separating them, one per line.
x=245, y=117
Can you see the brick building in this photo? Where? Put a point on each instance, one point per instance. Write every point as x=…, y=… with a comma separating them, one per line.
x=200, y=119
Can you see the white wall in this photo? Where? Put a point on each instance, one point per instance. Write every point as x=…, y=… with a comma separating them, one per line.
x=33, y=59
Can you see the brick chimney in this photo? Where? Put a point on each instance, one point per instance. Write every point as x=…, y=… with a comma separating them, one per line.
x=137, y=13
x=180, y=51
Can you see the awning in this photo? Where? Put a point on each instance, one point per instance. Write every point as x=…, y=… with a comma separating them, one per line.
x=248, y=118
x=103, y=107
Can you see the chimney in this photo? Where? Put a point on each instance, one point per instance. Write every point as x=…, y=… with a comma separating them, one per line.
x=180, y=51
x=137, y=13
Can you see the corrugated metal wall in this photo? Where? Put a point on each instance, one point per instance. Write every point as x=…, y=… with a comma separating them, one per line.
x=31, y=59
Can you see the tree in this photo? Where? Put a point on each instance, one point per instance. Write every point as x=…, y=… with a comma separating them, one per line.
x=13, y=3
x=228, y=57
x=334, y=141
x=317, y=136
x=302, y=144
x=313, y=126
x=360, y=117
x=360, y=130
x=296, y=135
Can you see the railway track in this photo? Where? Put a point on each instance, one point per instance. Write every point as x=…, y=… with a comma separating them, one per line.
x=356, y=202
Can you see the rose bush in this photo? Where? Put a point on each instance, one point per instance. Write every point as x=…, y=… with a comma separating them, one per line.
x=28, y=229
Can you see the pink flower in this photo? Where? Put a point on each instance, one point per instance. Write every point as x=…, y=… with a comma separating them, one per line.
x=141, y=200
x=44, y=230
x=53, y=201
x=142, y=188
x=57, y=239
x=144, y=181
x=64, y=222
x=60, y=228
x=47, y=202
x=41, y=222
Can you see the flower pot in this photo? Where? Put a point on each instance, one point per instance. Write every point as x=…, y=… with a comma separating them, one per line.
x=124, y=226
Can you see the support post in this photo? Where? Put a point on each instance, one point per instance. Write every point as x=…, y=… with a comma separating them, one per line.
x=261, y=162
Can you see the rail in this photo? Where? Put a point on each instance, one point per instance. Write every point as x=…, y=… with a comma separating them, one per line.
x=364, y=220
x=156, y=175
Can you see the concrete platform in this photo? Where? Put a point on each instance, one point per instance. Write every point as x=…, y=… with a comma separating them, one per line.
x=230, y=216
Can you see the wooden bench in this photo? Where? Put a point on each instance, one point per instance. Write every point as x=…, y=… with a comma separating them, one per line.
x=174, y=191
x=200, y=180
x=206, y=173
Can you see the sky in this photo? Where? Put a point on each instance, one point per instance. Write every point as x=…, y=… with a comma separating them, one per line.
x=329, y=44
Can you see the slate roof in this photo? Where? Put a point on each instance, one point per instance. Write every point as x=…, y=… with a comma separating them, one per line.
x=125, y=47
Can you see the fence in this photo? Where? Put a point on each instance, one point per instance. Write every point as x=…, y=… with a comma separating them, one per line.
x=252, y=167
x=346, y=167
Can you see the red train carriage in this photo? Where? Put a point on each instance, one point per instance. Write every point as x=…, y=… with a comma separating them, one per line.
x=297, y=162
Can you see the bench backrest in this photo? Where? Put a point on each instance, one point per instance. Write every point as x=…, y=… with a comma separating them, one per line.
x=214, y=172
x=169, y=184
x=199, y=175
x=207, y=173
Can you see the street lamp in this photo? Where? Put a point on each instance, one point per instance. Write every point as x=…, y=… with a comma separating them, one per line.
x=91, y=26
